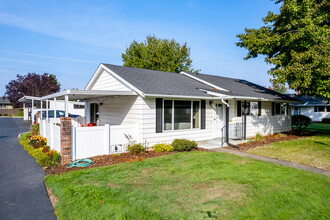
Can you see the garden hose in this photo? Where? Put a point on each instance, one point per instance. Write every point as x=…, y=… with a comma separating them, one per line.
x=80, y=163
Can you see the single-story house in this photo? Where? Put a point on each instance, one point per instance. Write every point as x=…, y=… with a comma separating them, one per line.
x=314, y=108
x=7, y=108
x=5, y=103
x=32, y=105
x=166, y=105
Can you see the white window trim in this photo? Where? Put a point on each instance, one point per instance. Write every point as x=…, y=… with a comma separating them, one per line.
x=191, y=119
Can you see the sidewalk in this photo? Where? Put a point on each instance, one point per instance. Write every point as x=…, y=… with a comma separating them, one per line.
x=276, y=161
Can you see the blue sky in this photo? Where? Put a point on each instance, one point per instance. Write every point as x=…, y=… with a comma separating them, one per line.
x=70, y=38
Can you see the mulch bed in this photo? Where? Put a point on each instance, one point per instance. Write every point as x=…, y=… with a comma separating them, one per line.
x=106, y=160
x=269, y=139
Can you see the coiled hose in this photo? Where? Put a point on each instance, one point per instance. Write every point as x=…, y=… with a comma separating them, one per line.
x=80, y=163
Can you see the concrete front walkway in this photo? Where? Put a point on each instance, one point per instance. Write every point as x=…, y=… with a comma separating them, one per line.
x=276, y=161
x=22, y=191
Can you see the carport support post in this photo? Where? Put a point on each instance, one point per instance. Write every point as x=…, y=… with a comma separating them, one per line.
x=47, y=109
x=66, y=100
x=66, y=139
x=55, y=109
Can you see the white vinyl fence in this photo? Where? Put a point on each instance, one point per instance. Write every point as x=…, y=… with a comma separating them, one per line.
x=52, y=132
x=100, y=140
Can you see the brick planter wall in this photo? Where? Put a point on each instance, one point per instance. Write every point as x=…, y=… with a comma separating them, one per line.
x=66, y=156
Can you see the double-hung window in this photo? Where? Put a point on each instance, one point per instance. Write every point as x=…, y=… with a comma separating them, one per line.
x=181, y=114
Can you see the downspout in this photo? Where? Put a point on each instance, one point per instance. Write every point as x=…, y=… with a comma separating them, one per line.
x=227, y=125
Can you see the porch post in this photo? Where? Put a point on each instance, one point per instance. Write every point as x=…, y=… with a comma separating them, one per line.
x=227, y=124
x=32, y=108
x=66, y=100
x=55, y=108
x=244, y=135
x=47, y=109
x=41, y=109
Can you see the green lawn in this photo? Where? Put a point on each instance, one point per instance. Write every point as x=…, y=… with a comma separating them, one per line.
x=192, y=185
x=313, y=151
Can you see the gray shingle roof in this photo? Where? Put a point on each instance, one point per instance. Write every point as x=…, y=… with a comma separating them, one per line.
x=240, y=87
x=4, y=101
x=158, y=82
x=167, y=83
x=309, y=100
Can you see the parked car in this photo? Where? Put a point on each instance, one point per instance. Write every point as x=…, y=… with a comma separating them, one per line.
x=59, y=113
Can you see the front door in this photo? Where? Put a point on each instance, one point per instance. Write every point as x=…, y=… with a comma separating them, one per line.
x=219, y=120
x=94, y=113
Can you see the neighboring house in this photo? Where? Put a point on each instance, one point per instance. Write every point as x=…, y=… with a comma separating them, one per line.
x=314, y=108
x=5, y=103
x=6, y=108
x=32, y=105
x=166, y=106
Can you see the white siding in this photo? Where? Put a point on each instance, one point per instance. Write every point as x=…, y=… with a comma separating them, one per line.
x=149, y=126
x=107, y=82
x=264, y=124
x=315, y=116
x=120, y=110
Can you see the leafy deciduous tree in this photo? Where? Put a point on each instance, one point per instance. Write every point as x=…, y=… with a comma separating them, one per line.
x=297, y=42
x=31, y=84
x=158, y=54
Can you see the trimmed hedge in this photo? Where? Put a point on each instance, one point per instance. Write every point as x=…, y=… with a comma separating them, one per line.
x=136, y=149
x=183, y=145
x=301, y=122
x=326, y=120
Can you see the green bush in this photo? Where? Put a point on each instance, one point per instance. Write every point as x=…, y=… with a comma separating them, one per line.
x=4, y=114
x=183, y=145
x=42, y=155
x=300, y=122
x=35, y=129
x=136, y=149
x=162, y=148
x=326, y=120
x=20, y=112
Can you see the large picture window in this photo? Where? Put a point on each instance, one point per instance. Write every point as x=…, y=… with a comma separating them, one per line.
x=179, y=115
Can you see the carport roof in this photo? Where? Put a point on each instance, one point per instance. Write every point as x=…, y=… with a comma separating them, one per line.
x=86, y=94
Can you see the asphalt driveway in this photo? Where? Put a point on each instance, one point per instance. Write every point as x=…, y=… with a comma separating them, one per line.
x=22, y=191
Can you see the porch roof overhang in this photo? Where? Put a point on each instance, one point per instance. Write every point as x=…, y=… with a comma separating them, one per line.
x=28, y=99
x=86, y=94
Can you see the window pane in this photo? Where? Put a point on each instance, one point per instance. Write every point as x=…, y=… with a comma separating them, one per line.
x=321, y=108
x=247, y=110
x=328, y=108
x=182, y=115
x=277, y=108
x=283, y=108
x=254, y=108
x=196, y=114
x=167, y=114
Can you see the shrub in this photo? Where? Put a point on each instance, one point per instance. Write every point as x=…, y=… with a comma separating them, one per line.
x=20, y=112
x=43, y=155
x=162, y=148
x=35, y=129
x=326, y=120
x=183, y=145
x=136, y=149
x=259, y=137
x=46, y=149
x=300, y=122
x=4, y=114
